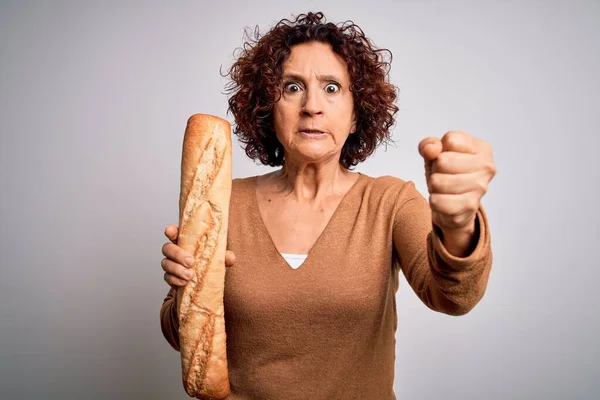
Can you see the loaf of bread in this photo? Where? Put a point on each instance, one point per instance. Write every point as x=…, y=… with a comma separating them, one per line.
x=203, y=217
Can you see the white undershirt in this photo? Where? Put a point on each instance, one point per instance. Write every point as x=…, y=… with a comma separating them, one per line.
x=294, y=260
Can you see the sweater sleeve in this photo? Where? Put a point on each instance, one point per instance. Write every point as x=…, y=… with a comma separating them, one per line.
x=445, y=283
x=169, y=320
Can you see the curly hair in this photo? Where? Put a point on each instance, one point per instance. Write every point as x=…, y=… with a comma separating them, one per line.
x=256, y=85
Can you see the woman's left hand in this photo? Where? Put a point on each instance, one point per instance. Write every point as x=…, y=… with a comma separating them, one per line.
x=458, y=170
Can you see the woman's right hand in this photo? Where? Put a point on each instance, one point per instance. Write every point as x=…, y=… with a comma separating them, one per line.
x=178, y=264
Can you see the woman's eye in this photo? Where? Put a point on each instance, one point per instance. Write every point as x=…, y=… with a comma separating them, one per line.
x=292, y=87
x=332, y=88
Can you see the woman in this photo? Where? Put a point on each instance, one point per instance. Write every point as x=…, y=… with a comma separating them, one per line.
x=316, y=249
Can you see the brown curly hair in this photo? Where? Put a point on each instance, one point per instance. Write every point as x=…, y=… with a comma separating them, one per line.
x=256, y=85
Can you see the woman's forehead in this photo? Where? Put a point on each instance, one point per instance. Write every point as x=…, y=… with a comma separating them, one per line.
x=315, y=59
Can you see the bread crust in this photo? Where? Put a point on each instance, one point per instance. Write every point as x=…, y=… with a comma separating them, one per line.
x=203, y=219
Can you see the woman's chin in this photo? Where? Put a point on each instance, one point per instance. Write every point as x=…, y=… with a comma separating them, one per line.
x=313, y=154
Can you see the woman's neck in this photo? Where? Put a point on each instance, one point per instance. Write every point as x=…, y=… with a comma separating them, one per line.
x=312, y=182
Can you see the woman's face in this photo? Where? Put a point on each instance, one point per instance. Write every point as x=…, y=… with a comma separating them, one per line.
x=315, y=113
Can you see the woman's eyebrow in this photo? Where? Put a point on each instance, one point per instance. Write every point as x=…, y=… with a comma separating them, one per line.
x=329, y=78
x=321, y=78
x=293, y=76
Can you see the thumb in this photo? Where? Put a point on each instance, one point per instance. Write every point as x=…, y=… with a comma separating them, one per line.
x=229, y=258
x=430, y=148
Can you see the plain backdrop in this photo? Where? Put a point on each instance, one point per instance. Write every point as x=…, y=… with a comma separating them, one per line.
x=94, y=97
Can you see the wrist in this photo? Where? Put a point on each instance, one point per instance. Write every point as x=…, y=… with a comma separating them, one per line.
x=460, y=242
x=464, y=231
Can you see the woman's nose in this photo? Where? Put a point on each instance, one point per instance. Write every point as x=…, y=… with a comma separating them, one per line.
x=312, y=104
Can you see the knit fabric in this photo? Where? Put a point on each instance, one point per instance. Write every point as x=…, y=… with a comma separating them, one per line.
x=327, y=330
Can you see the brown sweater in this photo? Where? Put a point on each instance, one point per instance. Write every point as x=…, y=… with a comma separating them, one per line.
x=327, y=329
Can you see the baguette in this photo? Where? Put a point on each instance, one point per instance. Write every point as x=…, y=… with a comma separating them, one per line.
x=203, y=218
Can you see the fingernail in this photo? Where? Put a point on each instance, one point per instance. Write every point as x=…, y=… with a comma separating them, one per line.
x=189, y=274
x=189, y=261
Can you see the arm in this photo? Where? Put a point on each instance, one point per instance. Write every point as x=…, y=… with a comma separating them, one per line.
x=444, y=282
x=169, y=320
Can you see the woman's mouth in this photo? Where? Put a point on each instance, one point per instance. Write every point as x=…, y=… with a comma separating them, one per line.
x=312, y=132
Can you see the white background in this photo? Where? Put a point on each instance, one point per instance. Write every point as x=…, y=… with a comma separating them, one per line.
x=94, y=97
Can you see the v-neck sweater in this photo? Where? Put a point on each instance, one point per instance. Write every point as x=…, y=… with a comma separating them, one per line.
x=327, y=329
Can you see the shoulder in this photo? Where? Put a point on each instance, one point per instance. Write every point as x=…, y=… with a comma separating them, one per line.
x=242, y=190
x=390, y=195
x=241, y=199
x=389, y=188
x=240, y=185
x=248, y=184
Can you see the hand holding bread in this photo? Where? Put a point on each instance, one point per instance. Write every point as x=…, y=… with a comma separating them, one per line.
x=178, y=264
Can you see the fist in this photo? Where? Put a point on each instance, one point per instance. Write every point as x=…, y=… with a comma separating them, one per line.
x=458, y=170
